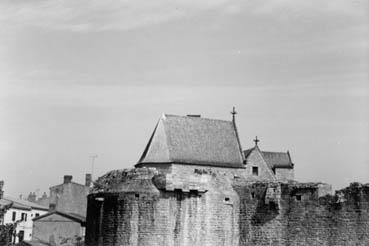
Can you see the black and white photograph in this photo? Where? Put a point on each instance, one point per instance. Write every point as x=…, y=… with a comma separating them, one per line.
x=184, y=123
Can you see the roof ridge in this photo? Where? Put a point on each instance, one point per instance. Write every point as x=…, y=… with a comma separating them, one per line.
x=276, y=152
x=25, y=203
x=197, y=118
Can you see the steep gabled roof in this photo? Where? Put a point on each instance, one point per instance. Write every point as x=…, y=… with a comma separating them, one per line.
x=273, y=159
x=193, y=140
x=278, y=159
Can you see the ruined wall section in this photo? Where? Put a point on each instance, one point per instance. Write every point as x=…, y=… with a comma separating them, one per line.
x=302, y=214
x=284, y=174
x=142, y=207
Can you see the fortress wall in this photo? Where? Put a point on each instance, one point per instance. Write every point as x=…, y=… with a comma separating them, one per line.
x=143, y=207
x=166, y=217
x=301, y=217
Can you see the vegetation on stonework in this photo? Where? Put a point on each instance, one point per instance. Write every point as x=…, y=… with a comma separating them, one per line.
x=6, y=232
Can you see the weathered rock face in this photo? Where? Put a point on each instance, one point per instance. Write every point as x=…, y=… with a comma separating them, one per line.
x=144, y=207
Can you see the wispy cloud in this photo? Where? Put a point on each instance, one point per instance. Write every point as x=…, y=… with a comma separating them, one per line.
x=98, y=15
x=86, y=15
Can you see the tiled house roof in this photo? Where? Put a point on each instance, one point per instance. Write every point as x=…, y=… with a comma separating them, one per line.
x=273, y=159
x=23, y=204
x=193, y=140
x=278, y=159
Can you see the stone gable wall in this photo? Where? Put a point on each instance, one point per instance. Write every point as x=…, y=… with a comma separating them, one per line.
x=254, y=159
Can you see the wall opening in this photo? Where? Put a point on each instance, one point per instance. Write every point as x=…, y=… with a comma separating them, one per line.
x=255, y=171
x=194, y=193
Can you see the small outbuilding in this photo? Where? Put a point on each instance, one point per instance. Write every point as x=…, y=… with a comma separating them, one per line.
x=59, y=228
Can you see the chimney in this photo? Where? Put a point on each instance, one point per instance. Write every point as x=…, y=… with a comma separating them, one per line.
x=44, y=196
x=67, y=179
x=88, y=180
x=32, y=197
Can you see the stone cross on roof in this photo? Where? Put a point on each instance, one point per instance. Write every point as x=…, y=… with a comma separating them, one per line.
x=256, y=140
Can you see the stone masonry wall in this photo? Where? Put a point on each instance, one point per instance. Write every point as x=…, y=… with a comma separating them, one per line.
x=284, y=174
x=165, y=217
x=301, y=217
x=146, y=207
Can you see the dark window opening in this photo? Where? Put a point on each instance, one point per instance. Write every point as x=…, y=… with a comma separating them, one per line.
x=178, y=193
x=194, y=192
x=298, y=197
x=226, y=199
x=137, y=195
x=252, y=194
x=37, y=215
x=255, y=171
x=14, y=216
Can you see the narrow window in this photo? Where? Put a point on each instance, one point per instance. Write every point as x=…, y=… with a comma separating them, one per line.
x=14, y=216
x=226, y=199
x=298, y=197
x=252, y=194
x=255, y=171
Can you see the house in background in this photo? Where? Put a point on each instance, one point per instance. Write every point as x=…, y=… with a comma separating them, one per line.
x=43, y=200
x=21, y=212
x=58, y=228
x=70, y=197
x=64, y=224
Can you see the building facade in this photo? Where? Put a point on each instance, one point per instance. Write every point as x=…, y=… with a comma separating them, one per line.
x=21, y=213
x=65, y=222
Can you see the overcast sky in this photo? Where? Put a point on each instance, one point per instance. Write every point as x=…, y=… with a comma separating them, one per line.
x=93, y=77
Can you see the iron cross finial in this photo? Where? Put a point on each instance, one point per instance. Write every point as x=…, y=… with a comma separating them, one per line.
x=233, y=113
x=256, y=140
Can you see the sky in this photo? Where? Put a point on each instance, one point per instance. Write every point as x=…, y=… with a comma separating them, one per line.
x=79, y=78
